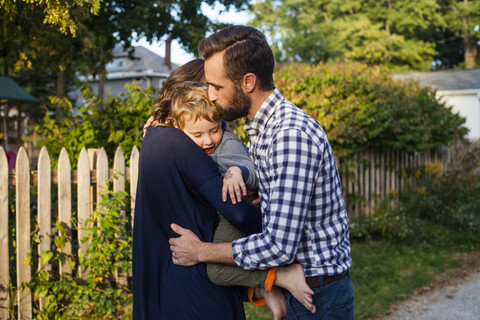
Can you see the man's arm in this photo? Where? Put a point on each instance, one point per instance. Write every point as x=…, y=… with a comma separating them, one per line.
x=188, y=250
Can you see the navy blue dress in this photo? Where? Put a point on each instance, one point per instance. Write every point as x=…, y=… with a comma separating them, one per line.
x=179, y=183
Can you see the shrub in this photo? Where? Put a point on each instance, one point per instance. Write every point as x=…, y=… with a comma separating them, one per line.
x=98, y=295
x=361, y=107
x=450, y=197
x=116, y=121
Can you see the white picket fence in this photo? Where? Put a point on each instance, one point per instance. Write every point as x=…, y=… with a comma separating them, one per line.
x=92, y=176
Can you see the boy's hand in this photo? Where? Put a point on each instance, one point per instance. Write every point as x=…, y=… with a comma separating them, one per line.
x=148, y=124
x=233, y=185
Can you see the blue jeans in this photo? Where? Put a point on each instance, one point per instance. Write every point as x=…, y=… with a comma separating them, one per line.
x=333, y=301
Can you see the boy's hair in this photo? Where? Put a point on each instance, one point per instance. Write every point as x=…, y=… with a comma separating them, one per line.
x=246, y=51
x=191, y=71
x=192, y=99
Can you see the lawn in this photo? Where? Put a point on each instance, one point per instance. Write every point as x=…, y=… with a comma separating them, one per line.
x=388, y=271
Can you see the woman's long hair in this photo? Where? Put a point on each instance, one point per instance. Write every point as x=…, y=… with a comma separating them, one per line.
x=191, y=71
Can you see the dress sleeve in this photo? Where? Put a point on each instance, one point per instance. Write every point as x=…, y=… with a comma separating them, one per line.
x=200, y=173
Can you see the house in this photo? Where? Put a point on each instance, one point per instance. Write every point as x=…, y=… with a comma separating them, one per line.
x=457, y=88
x=138, y=64
x=12, y=115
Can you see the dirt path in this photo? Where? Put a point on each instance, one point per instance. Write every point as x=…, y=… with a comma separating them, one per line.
x=454, y=295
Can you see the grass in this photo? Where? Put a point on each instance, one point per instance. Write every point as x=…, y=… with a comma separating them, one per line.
x=387, y=271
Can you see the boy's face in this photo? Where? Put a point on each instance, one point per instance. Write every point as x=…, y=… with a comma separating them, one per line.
x=207, y=135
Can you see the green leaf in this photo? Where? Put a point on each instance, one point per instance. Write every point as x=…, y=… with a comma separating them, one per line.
x=46, y=256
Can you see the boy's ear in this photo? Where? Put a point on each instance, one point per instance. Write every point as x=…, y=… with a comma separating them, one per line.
x=249, y=82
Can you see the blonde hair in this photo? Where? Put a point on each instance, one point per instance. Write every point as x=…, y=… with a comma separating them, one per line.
x=192, y=100
x=191, y=71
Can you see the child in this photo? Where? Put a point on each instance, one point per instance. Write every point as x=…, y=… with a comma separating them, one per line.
x=194, y=114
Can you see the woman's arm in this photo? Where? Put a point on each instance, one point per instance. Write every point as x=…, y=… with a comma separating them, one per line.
x=200, y=172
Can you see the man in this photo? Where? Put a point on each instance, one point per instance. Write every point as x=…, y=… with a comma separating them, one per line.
x=304, y=215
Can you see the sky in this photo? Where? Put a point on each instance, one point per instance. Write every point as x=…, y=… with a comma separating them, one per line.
x=215, y=13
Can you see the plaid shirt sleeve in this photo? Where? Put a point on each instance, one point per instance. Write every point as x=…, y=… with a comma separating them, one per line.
x=293, y=163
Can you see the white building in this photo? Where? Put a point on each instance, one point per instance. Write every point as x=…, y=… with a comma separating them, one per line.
x=143, y=66
x=458, y=88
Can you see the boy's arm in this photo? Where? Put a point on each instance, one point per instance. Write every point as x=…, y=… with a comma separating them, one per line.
x=232, y=152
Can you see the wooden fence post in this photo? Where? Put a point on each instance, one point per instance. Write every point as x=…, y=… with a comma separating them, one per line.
x=44, y=211
x=65, y=207
x=134, y=157
x=118, y=186
x=4, y=256
x=24, y=275
x=83, y=202
x=102, y=177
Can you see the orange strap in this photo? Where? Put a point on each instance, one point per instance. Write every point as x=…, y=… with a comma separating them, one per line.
x=271, y=275
x=256, y=302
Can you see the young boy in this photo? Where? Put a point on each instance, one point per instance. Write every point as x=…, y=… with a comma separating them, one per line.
x=194, y=114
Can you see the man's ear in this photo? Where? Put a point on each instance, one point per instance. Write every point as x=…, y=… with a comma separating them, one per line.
x=249, y=82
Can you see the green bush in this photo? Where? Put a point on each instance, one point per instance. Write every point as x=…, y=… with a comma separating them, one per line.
x=361, y=107
x=110, y=123
x=98, y=295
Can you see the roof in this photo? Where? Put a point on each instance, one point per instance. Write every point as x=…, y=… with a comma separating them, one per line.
x=444, y=80
x=143, y=60
x=11, y=91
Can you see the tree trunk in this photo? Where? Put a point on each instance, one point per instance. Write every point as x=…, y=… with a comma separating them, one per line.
x=61, y=84
x=470, y=53
x=101, y=83
x=469, y=42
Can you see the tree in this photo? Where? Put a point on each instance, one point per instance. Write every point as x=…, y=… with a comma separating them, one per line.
x=370, y=31
x=402, y=34
x=80, y=35
x=463, y=20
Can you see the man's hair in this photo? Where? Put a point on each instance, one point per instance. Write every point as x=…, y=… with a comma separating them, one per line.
x=191, y=71
x=192, y=100
x=246, y=51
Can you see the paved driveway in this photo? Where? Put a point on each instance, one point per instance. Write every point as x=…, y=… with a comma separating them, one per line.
x=458, y=301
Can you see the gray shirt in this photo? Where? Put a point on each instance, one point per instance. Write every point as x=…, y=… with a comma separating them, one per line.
x=232, y=152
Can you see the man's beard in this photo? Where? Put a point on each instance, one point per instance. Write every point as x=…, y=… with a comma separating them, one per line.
x=238, y=105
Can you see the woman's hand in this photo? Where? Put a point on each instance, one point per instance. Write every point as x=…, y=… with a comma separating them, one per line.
x=148, y=124
x=233, y=185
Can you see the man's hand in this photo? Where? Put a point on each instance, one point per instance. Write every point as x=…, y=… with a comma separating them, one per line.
x=184, y=248
x=148, y=124
x=188, y=249
x=233, y=185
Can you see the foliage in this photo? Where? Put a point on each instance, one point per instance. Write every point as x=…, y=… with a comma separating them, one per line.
x=361, y=107
x=449, y=197
x=401, y=34
x=461, y=23
x=116, y=121
x=62, y=14
x=97, y=294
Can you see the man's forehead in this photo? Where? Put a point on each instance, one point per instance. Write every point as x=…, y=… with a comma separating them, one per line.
x=214, y=65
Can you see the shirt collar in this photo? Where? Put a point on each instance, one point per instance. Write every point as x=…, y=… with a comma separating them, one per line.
x=263, y=115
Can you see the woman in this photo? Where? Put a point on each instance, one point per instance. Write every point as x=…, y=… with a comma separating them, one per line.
x=179, y=183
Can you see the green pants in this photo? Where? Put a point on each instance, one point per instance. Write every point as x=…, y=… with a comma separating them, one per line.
x=229, y=275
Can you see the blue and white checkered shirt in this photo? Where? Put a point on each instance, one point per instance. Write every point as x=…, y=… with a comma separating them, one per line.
x=304, y=215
